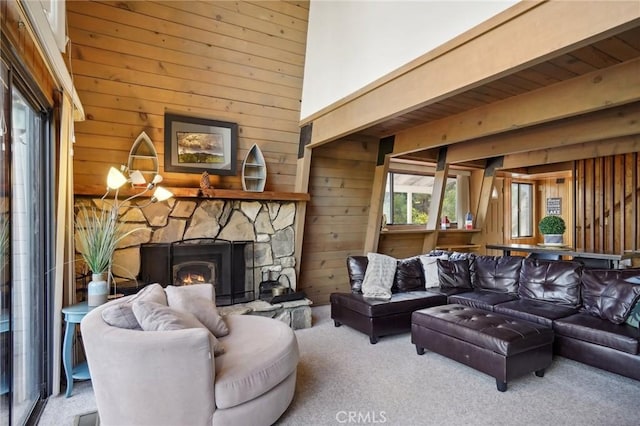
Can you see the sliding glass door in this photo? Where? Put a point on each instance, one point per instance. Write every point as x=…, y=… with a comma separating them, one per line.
x=23, y=221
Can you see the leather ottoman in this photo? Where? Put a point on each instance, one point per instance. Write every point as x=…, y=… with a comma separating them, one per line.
x=494, y=344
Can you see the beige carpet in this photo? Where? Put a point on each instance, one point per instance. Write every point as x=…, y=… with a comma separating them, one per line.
x=342, y=379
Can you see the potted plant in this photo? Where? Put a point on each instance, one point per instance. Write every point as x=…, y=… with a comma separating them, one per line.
x=552, y=227
x=98, y=233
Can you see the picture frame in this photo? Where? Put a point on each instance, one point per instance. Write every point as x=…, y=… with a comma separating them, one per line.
x=196, y=145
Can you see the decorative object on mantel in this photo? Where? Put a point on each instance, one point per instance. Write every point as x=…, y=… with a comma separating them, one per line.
x=552, y=228
x=99, y=231
x=143, y=158
x=254, y=170
x=195, y=144
x=205, y=183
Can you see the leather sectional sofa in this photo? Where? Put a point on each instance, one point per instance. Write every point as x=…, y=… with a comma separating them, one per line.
x=587, y=309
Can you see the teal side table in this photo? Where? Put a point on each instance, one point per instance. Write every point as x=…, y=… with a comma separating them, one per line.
x=72, y=316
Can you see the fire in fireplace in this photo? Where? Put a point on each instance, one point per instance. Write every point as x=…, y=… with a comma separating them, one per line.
x=222, y=263
x=195, y=272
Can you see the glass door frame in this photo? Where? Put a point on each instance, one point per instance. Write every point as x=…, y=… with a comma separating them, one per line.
x=19, y=78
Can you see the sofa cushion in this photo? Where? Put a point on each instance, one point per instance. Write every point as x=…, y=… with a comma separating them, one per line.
x=454, y=273
x=588, y=328
x=610, y=293
x=430, y=268
x=356, y=267
x=378, y=278
x=399, y=303
x=481, y=299
x=535, y=310
x=550, y=281
x=157, y=317
x=191, y=299
x=496, y=273
x=409, y=275
x=261, y=353
x=120, y=314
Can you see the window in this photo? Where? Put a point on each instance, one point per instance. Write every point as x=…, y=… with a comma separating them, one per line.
x=521, y=210
x=408, y=196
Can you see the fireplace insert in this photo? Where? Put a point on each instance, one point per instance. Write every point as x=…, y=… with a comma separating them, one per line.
x=219, y=262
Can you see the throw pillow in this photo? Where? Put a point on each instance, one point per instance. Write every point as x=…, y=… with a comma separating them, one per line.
x=610, y=293
x=120, y=314
x=454, y=273
x=378, y=278
x=157, y=317
x=634, y=317
x=430, y=268
x=184, y=299
x=409, y=275
x=356, y=267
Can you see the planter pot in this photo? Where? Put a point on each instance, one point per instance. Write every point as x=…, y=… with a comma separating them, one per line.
x=555, y=239
x=97, y=290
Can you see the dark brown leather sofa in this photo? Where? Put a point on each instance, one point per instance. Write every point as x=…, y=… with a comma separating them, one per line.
x=586, y=308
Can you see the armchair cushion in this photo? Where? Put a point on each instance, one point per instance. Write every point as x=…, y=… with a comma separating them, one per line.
x=185, y=299
x=121, y=314
x=156, y=317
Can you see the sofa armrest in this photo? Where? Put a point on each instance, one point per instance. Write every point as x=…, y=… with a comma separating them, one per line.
x=149, y=377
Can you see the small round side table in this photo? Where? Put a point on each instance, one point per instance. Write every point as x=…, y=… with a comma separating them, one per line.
x=73, y=314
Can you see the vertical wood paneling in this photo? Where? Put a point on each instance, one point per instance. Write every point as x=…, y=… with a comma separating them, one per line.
x=134, y=61
x=340, y=184
x=608, y=198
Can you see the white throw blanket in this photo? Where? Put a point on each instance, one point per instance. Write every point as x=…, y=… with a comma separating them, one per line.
x=378, y=277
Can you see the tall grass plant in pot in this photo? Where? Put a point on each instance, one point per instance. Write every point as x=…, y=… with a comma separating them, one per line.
x=98, y=232
x=552, y=229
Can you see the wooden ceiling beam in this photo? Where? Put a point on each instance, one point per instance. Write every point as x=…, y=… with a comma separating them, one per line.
x=617, y=85
x=580, y=151
x=614, y=122
x=498, y=47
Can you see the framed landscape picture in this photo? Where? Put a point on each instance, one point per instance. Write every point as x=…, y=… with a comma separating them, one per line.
x=195, y=145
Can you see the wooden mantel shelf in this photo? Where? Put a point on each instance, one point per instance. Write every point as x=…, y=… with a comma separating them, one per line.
x=226, y=194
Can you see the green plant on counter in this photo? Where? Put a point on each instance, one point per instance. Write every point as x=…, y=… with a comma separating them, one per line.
x=552, y=225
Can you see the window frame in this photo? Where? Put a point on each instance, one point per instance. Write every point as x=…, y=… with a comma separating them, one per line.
x=518, y=211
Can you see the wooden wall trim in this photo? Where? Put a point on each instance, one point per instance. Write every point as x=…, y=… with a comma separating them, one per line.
x=466, y=66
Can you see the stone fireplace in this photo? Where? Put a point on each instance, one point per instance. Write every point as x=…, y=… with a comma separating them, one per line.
x=259, y=233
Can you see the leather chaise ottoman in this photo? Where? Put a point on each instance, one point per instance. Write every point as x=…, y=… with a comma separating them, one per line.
x=494, y=344
x=377, y=318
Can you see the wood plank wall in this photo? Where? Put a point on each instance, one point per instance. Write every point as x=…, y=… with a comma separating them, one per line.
x=133, y=61
x=13, y=28
x=607, y=209
x=340, y=185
